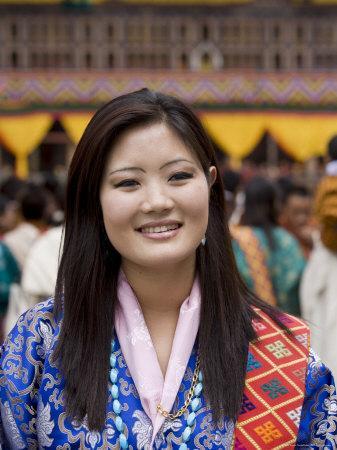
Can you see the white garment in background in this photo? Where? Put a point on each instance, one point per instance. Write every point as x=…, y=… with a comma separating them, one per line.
x=331, y=169
x=38, y=276
x=318, y=295
x=40, y=270
x=20, y=240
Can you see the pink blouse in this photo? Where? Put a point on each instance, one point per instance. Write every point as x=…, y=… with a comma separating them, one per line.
x=140, y=354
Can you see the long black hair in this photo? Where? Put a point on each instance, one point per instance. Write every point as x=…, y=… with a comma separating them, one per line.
x=86, y=291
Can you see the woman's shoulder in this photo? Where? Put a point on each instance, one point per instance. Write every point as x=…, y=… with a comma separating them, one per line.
x=262, y=321
x=23, y=360
x=280, y=345
x=33, y=335
x=41, y=312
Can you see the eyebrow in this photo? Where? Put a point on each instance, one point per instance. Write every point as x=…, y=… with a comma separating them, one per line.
x=175, y=161
x=124, y=169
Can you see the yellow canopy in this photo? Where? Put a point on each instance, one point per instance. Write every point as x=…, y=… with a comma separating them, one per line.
x=22, y=134
x=302, y=135
x=75, y=124
x=236, y=133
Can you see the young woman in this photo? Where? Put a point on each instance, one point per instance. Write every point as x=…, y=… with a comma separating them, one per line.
x=152, y=341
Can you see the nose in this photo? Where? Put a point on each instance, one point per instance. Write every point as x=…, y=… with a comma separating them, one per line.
x=156, y=199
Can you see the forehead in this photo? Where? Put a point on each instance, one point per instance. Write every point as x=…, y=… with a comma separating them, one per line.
x=150, y=144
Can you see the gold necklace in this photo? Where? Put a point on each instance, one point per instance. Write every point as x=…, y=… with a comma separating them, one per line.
x=189, y=397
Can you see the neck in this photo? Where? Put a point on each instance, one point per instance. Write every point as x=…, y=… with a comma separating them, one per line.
x=161, y=291
x=160, y=294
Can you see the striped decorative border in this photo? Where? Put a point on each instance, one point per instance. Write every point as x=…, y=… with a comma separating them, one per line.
x=24, y=90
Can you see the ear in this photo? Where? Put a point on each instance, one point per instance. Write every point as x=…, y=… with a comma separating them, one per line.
x=212, y=175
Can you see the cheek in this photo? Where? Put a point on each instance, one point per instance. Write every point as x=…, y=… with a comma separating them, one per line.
x=116, y=211
x=196, y=203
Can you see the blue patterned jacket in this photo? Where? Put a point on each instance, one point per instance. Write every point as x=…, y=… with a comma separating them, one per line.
x=33, y=414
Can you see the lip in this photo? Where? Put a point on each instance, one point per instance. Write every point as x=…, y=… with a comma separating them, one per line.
x=159, y=223
x=164, y=235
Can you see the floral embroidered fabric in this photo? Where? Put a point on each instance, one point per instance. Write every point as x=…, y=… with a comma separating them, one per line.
x=32, y=401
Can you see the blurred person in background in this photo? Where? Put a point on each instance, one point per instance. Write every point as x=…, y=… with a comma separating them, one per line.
x=54, y=189
x=38, y=278
x=8, y=214
x=319, y=283
x=296, y=214
x=13, y=187
x=269, y=258
x=331, y=166
x=231, y=181
x=32, y=209
x=10, y=191
x=9, y=274
x=40, y=267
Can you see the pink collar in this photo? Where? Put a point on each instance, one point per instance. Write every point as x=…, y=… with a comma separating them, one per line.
x=141, y=357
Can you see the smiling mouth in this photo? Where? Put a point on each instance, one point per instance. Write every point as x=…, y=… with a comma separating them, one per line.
x=159, y=229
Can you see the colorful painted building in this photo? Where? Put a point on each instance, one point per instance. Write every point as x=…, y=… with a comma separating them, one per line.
x=249, y=68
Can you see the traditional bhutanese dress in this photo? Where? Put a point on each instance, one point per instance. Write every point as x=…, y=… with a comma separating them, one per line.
x=289, y=398
x=273, y=274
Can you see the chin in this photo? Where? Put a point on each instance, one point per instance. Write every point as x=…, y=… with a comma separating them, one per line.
x=165, y=260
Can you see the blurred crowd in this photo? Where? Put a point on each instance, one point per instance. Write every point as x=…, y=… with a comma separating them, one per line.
x=285, y=245
x=284, y=240
x=31, y=217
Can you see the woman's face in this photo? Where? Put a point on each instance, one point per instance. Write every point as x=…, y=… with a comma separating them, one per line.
x=154, y=197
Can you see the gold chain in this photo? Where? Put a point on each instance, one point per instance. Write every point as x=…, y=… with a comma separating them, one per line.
x=189, y=397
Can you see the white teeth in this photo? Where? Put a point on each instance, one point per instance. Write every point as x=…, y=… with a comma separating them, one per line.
x=161, y=229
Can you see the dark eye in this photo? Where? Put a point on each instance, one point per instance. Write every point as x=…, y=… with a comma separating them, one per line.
x=181, y=176
x=126, y=183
